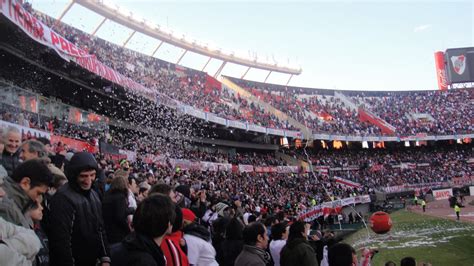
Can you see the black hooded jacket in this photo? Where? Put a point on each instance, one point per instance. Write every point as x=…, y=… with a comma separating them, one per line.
x=137, y=250
x=76, y=229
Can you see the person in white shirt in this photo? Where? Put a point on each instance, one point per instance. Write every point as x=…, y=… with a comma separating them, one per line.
x=279, y=236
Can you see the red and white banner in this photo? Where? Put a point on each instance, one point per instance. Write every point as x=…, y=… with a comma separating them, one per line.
x=26, y=132
x=323, y=170
x=441, y=73
x=78, y=145
x=462, y=181
x=131, y=155
x=442, y=193
x=410, y=187
x=37, y=30
x=346, y=182
x=245, y=168
x=333, y=207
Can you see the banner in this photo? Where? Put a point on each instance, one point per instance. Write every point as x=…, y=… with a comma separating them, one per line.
x=26, y=132
x=346, y=182
x=462, y=181
x=333, y=207
x=442, y=193
x=366, y=115
x=131, y=155
x=37, y=30
x=410, y=187
x=245, y=168
x=78, y=145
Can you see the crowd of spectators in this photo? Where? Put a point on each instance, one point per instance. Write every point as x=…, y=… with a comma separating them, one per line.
x=381, y=168
x=194, y=88
x=65, y=207
x=449, y=112
x=321, y=113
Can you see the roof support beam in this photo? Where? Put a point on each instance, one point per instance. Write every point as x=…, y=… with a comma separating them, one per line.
x=245, y=74
x=129, y=37
x=98, y=27
x=288, y=82
x=209, y=60
x=181, y=57
x=156, y=50
x=58, y=20
x=265, y=81
x=220, y=69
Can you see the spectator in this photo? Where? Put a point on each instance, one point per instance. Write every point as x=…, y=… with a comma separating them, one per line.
x=173, y=243
x=115, y=210
x=297, y=250
x=32, y=149
x=10, y=155
x=342, y=254
x=255, y=243
x=76, y=228
x=28, y=182
x=200, y=250
x=36, y=214
x=152, y=220
x=233, y=242
x=18, y=246
x=279, y=235
x=408, y=261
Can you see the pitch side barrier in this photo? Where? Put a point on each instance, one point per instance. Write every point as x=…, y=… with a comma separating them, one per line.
x=40, y=32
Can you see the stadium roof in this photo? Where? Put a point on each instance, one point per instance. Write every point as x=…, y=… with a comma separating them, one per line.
x=111, y=11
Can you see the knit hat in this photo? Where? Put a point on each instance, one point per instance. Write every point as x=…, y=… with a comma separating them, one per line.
x=220, y=207
x=188, y=215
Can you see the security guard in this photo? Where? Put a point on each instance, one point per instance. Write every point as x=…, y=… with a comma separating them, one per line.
x=457, y=210
x=423, y=205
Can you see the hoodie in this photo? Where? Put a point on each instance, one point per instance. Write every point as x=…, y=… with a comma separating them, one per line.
x=76, y=228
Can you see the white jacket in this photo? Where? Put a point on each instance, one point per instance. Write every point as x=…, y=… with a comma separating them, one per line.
x=200, y=252
x=275, y=248
x=21, y=244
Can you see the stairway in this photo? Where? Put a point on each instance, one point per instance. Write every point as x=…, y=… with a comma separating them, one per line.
x=267, y=107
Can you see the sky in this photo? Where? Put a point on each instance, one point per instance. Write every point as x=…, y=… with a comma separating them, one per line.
x=350, y=45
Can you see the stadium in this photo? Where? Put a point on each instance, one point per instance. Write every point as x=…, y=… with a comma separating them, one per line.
x=181, y=154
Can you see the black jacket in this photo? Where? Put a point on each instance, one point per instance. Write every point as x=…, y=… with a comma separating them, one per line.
x=115, y=211
x=230, y=251
x=298, y=252
x=76, y=229
x=137, y=250
x=10, y=161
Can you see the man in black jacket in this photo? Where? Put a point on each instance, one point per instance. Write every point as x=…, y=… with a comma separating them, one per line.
x=76, y=228
x=153, y=219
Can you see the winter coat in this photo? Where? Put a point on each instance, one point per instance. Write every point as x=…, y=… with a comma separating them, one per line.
x=298, y=252
x=252, y=256
x=275, y=249
x=115, y=211
x=15, y=204
x=76, y=229
x=10, y=161
x=20, y=245
x=200, y=250
x=230, y=250
x=174, y=254
x=137, y=250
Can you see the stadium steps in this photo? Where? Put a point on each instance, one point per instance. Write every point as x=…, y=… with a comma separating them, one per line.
x=365, y=115
x=347, y=102
x=267, y=107
x=290, y=160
